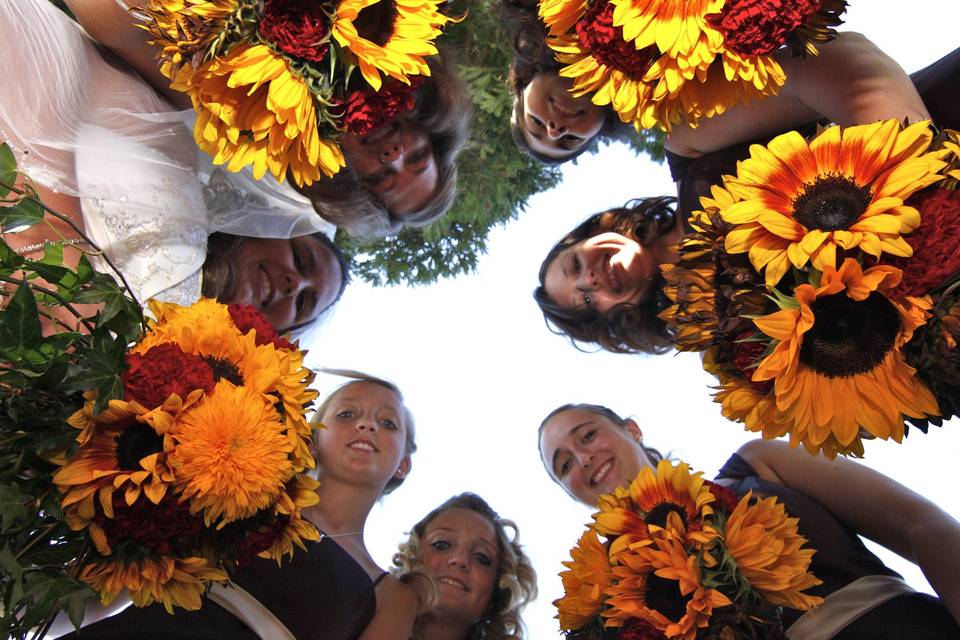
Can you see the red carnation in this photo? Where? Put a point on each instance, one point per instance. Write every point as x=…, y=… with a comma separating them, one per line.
x=297, y=27
x=746, y=359
x=757, y=27
x=936, y=244
x=164, y=369
x=366, y=109
x=637, y=629
x=605, y=42
x=728, y=499
x=247, y=318
x=161, y=528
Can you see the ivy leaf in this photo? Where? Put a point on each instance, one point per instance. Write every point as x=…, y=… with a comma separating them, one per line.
x=21, y=215
x=8, y=169
x=73, y=599
x=11, y=506
x=20, y=322
x=104, y=289
x=52, y=254
x=10, y=565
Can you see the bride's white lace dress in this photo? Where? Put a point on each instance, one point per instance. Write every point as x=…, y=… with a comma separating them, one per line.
x=82, y=123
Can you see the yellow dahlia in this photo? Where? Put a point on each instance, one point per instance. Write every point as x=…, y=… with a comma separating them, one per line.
x=585, y=581
x=185, y=28
x=798, y=202
x=175, y=582
x=232, y=455
x=252, y=109
x=665, y=574
x=389, y=36
x=837, y=365
x=769, y=552
x=671, y=500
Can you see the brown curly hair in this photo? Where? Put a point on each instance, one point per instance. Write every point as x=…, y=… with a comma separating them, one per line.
x=516, y=579
x=626, y=328
x=443, y=111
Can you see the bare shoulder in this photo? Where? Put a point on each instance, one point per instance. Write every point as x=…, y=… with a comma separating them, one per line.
x=396, y=611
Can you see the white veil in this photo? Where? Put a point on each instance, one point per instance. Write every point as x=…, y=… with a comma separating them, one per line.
x=83, y=123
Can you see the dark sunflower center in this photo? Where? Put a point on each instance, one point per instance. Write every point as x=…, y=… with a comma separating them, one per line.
x=832, y=202
x=377, y=22
x=664, y=596
x=658, y=515
x=135, y=443
x=224, y=369
x=605, y=42
x=849, y=337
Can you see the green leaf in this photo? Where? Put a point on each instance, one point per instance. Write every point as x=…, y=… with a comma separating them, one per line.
x=20, y=216
x=20, y=322
x=11, y=506
x=85, y=272
x=104, y=289
x=53, y=254
x=74, y=599
x=9, y=565
x=8, y=169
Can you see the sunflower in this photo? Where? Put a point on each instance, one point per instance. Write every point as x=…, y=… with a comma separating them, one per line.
x=252, y=109
x=389, y=36
x=670, y=500
x=585, y=581
x=661, y=584
x=769, y=553
x=837, y=365
x=798, y=202
x=185, y=28
x=175, y=582
x=232, y=457
x=678, y=28
x=711, y=290
x=299, y=493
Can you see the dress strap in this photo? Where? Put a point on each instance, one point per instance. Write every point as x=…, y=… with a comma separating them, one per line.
x=380, y=577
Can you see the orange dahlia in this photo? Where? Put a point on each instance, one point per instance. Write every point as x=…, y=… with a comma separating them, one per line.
x=585, y=581
x=798, y=202
x=769, y=552
x=837, y=365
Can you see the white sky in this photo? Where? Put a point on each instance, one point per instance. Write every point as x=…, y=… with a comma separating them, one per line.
x=480, y=370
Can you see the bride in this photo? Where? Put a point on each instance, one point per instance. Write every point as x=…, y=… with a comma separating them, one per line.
x=104, y=149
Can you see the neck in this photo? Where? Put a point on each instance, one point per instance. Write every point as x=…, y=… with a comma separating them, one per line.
x=434, y=628
x=343, y=508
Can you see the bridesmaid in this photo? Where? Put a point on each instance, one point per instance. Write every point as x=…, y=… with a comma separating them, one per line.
x=473, y=576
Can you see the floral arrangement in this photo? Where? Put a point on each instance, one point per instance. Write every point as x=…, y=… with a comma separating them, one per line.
x=820, y=281
x=677, y=556
x=660, y=62
x=146, y=455
x=272, y=81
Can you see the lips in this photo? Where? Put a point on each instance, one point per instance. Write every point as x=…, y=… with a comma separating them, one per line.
x=267, y=288
x=362, y=444
x=610, y=276
x=601, y=473
x=453, y=582
x=564, y=111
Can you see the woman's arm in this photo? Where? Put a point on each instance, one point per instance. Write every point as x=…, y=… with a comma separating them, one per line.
x=851, y=82
x=114, y=27
x=396, y=612
x=872, y=505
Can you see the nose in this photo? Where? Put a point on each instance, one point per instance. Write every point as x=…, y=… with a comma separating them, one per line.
x=587, y=280
x=366, y=425
x=458, y=560
x=292, y=284
x=584, y=459
x=555, y=129
x=390, y=151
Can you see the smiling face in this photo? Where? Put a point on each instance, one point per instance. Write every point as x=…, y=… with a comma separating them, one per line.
x=289, y=281
x=554, y=123
x=396, y=164
x=364, y=442
x=589, y=455
x=601, y=272
x=460, y=550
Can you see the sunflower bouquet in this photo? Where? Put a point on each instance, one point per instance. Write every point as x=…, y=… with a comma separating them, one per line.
x=821, y=284
x=273, y=81
x=677, y=556
x=660, y=62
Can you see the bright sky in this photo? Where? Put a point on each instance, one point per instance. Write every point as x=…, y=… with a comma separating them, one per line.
x=480, y=370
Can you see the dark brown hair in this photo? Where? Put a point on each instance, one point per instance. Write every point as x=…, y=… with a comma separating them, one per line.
x=531, y=55
x=443, y=111
x=218, y=268
x=626, y=328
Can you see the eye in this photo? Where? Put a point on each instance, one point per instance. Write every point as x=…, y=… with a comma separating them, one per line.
x=537, y=121
x=297, y=258
x=440, y=545
x=419, y=155
x=589, y=435
x=576, y=264
x=345, y=415
x=564, y=468
x=389, y=424
x=483, y=559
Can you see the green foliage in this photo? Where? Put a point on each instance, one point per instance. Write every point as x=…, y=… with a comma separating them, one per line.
x=496, y=179
x=42, y=380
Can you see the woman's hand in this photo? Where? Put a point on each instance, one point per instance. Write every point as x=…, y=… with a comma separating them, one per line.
x=851, y=82
x=114, y=27
x=872, y=505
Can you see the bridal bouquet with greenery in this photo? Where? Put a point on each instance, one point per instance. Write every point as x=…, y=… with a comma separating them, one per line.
x=145, y=455
x=820, y=282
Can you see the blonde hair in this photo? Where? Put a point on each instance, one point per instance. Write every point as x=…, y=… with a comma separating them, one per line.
x=358, y=377
x=516, y=579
